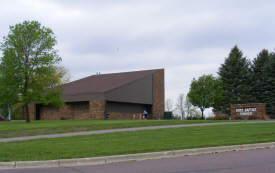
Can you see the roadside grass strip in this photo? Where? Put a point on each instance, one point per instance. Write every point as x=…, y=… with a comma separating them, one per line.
x=134, y=142
x=9, y=129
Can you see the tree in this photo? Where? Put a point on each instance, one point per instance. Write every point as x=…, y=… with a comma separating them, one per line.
x=180, y=105
x=257, y=73
x=205, y=92
x=27, y=66
x=188, y=106
x=62, y=76
x=235, y=74
x=168, y=104
x=194, y=112
x=267, y=86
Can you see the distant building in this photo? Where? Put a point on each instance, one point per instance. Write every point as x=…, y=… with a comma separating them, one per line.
x=119, y=94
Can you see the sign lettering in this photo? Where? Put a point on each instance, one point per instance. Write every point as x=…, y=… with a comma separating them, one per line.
x=246, y=111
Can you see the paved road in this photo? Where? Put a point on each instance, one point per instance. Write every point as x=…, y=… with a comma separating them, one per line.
x=120, y=130
x=252, y=161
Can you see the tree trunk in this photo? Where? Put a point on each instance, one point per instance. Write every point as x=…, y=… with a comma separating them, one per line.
x=201, y=113
x=202, y=109
x=27, y=113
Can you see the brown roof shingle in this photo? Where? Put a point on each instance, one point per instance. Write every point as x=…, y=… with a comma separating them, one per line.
x=104, y=82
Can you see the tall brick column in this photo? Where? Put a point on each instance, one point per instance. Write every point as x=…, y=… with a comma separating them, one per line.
x=97, y=109
x=158, y=94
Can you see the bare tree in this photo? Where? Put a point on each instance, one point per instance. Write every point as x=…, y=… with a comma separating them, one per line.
x=169, y=104
x=180, y=105
x=188, y=106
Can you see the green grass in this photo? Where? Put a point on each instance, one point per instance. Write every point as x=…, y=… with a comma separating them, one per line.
x=21, y=128
x=137, y=142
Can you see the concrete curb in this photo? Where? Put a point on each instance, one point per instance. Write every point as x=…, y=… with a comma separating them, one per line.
x=137, y=157
x=7, y=165
x=82, y=161
x=36, y=164
x=130, y=157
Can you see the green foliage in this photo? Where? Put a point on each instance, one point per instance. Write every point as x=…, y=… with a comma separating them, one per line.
x=258, y=73
x=16, y=114
x=4, y=110
x=194, y=118
x=189, y=118
x=267, y=85
x=27, y=66
x=201, y=118
x=61, y=76
x=205, y=92
x=235, y=74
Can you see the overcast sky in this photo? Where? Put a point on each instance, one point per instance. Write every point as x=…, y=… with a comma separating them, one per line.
x=188, y=38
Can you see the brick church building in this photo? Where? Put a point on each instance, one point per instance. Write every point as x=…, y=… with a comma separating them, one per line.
x=121, y=95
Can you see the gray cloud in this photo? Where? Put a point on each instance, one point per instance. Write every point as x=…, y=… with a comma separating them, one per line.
x=187, y=38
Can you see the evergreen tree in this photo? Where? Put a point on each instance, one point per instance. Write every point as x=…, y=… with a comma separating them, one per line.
x=235, y=74
x=267, y=85
x=257, y=74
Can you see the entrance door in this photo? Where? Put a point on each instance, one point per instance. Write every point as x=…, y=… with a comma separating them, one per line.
x=38, y=111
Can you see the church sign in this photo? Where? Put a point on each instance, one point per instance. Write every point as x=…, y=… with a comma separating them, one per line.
x=246, y=111
x=255, y=109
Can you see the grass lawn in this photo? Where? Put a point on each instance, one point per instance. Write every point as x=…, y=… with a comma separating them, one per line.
x=21, y=128
x=137, y=142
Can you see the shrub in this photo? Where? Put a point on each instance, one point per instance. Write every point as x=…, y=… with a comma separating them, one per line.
x=218, y=117
x=201, y=118
x=237, y=117
x=189, y=118
x=210, y=118
x=194, y=118
x=252, y=117
x=225, y=117
x=16, y=114
x=271, y=116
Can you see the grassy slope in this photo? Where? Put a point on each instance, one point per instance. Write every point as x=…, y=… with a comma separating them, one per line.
x=137, y=142
x=21, y=128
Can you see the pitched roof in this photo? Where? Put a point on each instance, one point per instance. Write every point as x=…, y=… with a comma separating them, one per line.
x=104, y=82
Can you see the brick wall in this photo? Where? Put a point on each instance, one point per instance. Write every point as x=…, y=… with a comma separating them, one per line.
x=32, y=111
x=260, y=113
x=75, y=111
x=67, y=111
x=50, y=113
x=97, y=109
x=123, y=116
x=81, y=111
x=158, y=94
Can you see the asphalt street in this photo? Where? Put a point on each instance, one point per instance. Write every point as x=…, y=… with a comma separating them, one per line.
x=250, y=161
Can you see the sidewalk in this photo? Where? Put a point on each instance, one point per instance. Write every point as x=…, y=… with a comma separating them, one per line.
x=128, y=157
x=121, y=130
